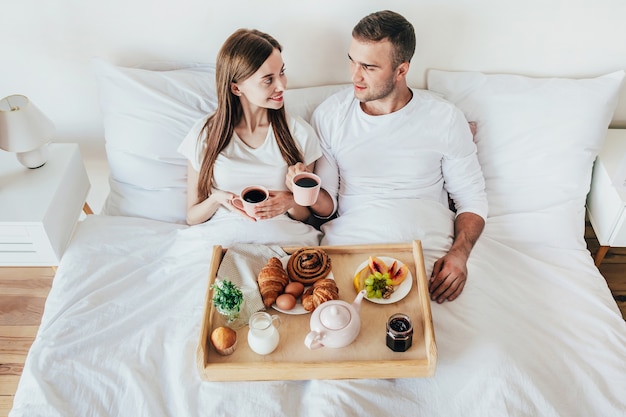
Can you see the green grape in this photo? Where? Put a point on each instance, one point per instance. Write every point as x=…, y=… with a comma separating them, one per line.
x=376, y=283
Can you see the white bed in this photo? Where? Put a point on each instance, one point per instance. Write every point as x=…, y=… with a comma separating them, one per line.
x=535, y=332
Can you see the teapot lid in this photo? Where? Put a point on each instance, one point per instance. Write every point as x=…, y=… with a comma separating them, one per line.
x=335, y=317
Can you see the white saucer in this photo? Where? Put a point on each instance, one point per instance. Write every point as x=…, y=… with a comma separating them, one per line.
x=399, y=291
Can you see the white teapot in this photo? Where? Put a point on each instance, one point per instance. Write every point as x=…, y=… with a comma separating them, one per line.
x=335, y=323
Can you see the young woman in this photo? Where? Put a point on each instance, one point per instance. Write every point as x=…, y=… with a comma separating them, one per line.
x=249, y=140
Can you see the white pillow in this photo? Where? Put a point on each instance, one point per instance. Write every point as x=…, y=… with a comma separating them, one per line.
x=303, y=101
x=537, y=138
x=147, y=112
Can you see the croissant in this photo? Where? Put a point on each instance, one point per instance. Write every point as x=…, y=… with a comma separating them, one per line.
x=323, y=290
x=272, y=280
x=308, y=265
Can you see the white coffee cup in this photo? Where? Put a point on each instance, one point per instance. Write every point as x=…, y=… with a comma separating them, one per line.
x=305, y=187
x=250, y=197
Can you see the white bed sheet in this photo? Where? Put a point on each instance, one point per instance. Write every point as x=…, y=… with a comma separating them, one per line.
x=535, y=333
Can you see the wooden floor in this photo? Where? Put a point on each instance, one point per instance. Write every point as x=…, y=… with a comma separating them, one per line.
x=23, y=292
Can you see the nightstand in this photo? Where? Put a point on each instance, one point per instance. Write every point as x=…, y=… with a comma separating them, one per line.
x=39, y=208
x=606, y=204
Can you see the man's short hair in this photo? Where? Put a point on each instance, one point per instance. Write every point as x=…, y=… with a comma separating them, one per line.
x=388, y=25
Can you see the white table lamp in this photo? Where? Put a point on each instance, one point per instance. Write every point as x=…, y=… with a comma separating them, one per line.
x=25, y=130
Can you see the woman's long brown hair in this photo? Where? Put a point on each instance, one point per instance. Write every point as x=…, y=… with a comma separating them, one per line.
x=240, y=57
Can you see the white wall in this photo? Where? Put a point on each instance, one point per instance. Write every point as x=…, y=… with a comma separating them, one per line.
x=46, y=45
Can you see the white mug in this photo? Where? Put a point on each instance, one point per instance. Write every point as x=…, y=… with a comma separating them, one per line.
x=250, y=197
x=305, y=187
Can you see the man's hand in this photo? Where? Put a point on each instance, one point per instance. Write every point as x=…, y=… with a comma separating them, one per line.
x=450, y=271
x=448, y=277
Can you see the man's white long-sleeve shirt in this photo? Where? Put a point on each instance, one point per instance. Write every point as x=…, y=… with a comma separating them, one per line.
x=422, y=151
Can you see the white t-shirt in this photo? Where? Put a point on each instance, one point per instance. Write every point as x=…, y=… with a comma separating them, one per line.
x=239, y=166
x=422, y=151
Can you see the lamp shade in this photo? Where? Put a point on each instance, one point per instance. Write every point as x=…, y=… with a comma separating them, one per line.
x=23, y=127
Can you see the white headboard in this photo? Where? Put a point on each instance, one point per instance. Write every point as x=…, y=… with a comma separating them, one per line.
x=47, y=46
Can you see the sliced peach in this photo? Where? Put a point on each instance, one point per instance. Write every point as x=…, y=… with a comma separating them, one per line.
x=398, y=275
x=377, y=265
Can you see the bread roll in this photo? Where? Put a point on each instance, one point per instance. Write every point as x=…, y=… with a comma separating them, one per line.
x=224, y=340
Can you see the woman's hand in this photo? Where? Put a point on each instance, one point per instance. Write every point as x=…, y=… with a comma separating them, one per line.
x=279, y=202
x=294, y=170
x=201, y=211
x=224, y=198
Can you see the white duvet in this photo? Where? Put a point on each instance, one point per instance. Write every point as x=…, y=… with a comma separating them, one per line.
x=535, y=333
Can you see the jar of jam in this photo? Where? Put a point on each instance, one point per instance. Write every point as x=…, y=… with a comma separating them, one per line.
x=399, y=332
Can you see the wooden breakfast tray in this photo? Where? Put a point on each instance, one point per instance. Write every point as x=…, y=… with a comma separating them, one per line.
x=367, y=357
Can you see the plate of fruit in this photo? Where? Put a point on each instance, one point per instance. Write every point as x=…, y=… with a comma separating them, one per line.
x=386, y=280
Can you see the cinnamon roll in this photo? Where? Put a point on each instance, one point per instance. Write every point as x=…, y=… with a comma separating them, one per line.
x=307, y=265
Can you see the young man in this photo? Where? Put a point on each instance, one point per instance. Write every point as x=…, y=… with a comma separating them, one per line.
x=387, y=144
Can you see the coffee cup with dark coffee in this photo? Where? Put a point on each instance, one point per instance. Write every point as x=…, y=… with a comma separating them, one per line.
x=305, y=187
x=250, y=197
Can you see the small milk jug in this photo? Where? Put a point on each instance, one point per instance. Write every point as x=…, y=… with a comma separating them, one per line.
x=263, y=334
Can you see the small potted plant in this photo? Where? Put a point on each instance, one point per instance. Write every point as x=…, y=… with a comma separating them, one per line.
x=227, y=299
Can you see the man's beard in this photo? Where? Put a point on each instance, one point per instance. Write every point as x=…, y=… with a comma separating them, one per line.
x=378, y=94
